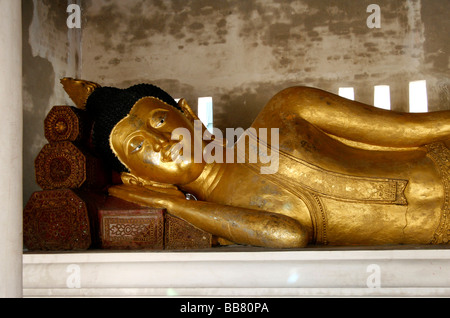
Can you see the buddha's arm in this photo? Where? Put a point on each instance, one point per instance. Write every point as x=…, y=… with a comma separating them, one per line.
x=239, y=225
x=362, y=123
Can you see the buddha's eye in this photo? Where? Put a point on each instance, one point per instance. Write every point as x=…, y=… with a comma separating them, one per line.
x=135, y=144
x=158, y=118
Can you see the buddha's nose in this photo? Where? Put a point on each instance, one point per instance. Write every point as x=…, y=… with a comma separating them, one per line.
x=159, y=140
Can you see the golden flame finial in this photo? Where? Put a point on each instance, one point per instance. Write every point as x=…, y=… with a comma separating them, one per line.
x=78, y=90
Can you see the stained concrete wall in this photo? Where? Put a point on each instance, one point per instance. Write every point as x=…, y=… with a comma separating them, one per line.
x=240, y=52
x=50, y=52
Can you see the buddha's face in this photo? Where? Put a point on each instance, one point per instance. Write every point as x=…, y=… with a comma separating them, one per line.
x=142, y=142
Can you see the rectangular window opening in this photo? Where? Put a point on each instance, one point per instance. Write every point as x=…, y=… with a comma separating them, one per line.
x=382, y=97
x=205, y=112
x=418, y=98
x=347, y=92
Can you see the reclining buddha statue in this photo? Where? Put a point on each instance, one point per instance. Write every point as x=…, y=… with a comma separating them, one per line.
x=347, y=173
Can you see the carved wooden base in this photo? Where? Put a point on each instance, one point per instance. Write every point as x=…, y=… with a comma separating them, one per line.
x=57, y=220
x=180, y=235
x=62, y=165
x=123, y=225
x=67, y=123
x=64, y=220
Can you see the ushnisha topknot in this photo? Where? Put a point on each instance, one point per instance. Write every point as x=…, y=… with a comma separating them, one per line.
x=79, y=90
x=109, y=105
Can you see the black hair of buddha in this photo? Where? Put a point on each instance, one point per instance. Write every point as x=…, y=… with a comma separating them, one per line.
x=109, y=105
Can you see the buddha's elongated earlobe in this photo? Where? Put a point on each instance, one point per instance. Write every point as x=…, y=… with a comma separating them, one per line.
x=79, y=90
x=188, y=112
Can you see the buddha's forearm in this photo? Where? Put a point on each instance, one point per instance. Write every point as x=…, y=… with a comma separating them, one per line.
x=359, y=122
x=243, y=226
x=374, y=126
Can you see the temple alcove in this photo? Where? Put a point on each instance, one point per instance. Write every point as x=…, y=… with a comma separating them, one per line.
x=238, y=52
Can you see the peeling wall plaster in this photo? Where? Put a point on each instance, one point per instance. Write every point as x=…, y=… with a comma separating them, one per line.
x=50, y=51
x=240, y=52
x=243, y=52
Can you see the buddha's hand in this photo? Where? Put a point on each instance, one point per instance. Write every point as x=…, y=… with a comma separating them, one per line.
x=144, y=196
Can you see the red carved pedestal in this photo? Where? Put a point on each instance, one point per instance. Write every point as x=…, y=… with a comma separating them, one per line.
x=57, y=220
x=181, y=235
x=62, y=165
x=124, y=225
x=67, y=123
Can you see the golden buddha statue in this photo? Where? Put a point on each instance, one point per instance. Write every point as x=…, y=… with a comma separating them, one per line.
x=346, y=173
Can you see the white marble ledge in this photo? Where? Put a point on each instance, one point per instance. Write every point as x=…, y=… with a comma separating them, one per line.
x=240, y=272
